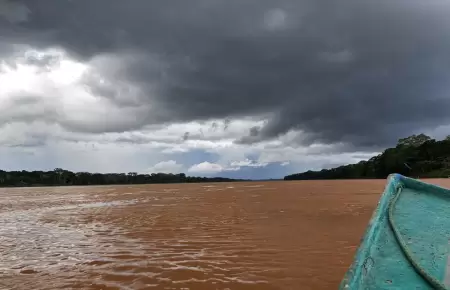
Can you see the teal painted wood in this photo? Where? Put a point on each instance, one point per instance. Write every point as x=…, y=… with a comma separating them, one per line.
x=422, y=216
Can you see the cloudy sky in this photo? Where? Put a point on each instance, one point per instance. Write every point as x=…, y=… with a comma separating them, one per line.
x=253, y=89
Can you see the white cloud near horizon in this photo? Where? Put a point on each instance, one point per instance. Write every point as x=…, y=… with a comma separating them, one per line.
x=206, y=168
x=170, y=166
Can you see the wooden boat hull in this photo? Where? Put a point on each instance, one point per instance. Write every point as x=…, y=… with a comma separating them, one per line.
x=407, y=241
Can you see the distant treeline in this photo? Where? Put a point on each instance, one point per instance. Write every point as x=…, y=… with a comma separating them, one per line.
x=60, y=177
x=416, y=156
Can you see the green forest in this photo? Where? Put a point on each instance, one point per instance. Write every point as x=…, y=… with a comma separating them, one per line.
x=61, y=177
x=415, y=156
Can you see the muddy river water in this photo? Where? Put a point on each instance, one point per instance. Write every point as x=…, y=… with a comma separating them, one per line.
x=259, y=235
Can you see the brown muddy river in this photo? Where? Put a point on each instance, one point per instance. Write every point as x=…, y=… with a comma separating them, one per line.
x=259, y=235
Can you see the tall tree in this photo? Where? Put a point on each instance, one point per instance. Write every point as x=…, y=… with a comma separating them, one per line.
x=414, y=140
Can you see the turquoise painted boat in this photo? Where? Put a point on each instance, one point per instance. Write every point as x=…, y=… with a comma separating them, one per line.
x=407, y=242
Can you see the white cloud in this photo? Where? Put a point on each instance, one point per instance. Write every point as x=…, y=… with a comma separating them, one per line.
x=56, y=92
x=206, y=168
x=170, y=166
x=42, y=145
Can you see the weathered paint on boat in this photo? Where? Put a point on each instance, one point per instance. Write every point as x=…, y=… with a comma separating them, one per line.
x=422, y=218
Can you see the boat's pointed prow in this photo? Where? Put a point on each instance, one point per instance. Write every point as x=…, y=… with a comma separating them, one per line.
x=407, y=242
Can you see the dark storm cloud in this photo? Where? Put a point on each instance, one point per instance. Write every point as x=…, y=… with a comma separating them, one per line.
x=340, y=71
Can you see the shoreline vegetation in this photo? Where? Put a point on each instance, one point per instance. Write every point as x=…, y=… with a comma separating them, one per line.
x=61, y=177
x=417, y=156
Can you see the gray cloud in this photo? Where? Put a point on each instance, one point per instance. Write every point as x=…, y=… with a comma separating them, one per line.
x=340, y=71
x=253, y=136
